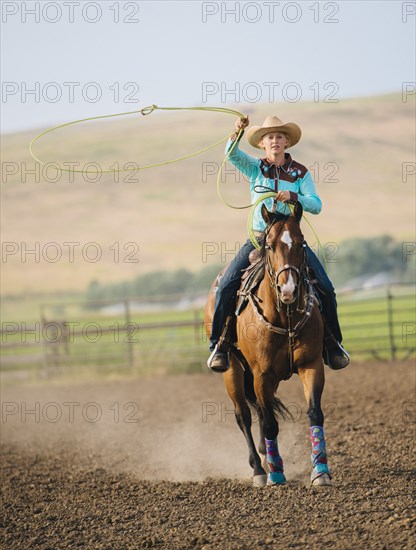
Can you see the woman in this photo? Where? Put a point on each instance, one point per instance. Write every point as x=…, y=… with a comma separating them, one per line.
x=292, y=182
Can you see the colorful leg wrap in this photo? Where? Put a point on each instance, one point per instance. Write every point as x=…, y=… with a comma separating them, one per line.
x=275, y=463
x=318, y=456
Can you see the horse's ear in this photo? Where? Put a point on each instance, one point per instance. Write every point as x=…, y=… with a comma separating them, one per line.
x=298, y=211
x=266, y=215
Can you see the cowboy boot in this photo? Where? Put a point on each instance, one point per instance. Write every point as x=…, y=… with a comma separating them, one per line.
x=219, y=361
x=335, y=356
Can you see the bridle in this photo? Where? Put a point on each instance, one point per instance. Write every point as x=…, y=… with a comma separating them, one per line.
x=291, y=331
x=274, y=275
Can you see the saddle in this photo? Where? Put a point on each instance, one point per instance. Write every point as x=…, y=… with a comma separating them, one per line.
x=250, y=280
x=252, y=277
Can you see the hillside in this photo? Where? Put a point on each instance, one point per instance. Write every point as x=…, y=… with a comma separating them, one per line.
x=172, y=212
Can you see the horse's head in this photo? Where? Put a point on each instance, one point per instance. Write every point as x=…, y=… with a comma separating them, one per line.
x=284, y=252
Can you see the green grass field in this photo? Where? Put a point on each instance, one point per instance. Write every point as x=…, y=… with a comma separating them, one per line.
x=375, y=324
x=174, y=341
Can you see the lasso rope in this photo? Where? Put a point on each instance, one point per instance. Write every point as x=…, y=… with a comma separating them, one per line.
x=220, y=173
x=144, y=111
x=250, y=229
x=147, y=111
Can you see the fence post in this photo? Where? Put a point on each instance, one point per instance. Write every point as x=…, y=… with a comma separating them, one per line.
x=197, y=328
x=130, y=358
x=390, y=323
x=46, y=361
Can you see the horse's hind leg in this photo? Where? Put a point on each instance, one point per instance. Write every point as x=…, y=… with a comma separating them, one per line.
x=313, y=381
x=234, y=382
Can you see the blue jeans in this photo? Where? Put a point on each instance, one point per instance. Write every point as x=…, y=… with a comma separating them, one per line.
x=326, y=294
x=225, y=297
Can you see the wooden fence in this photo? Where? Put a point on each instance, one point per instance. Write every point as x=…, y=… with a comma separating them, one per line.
x=132, y=336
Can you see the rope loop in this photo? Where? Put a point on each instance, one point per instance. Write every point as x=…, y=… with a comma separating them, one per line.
x=148, y=110
x=145, y=111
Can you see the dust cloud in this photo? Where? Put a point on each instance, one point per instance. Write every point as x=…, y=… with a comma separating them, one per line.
x=178, y=428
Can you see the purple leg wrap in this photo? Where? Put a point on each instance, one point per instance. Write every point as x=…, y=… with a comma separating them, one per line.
x=275, y=463
x=318, y=456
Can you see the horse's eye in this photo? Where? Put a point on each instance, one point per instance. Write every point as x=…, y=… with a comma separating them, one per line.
x=267, y=246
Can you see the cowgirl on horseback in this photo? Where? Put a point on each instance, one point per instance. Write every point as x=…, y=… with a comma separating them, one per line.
x=293, y=183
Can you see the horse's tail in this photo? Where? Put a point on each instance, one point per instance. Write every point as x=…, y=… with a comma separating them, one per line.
x=279, y=407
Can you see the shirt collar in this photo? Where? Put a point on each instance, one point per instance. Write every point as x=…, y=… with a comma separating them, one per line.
x=266, y=165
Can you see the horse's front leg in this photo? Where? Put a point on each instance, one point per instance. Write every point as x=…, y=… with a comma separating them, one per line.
x=313, y=381
x=265, y=387
x=234, y=382
x=262, y=439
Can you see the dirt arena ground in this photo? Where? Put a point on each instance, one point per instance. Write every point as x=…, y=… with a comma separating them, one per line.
x=160, y=463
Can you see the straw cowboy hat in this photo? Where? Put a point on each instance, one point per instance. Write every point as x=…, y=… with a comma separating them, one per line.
x=274, y=124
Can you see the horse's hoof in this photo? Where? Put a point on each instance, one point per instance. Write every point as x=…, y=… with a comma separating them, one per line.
x=324, y=479
x=276, y=478
x=260, y=480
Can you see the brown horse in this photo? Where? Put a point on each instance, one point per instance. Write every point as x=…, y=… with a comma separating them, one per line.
x=279, y=332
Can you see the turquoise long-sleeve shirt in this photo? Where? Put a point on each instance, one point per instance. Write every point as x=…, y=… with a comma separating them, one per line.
x=263, y=177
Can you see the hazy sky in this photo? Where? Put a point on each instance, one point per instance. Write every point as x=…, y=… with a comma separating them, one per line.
x=71, y=59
